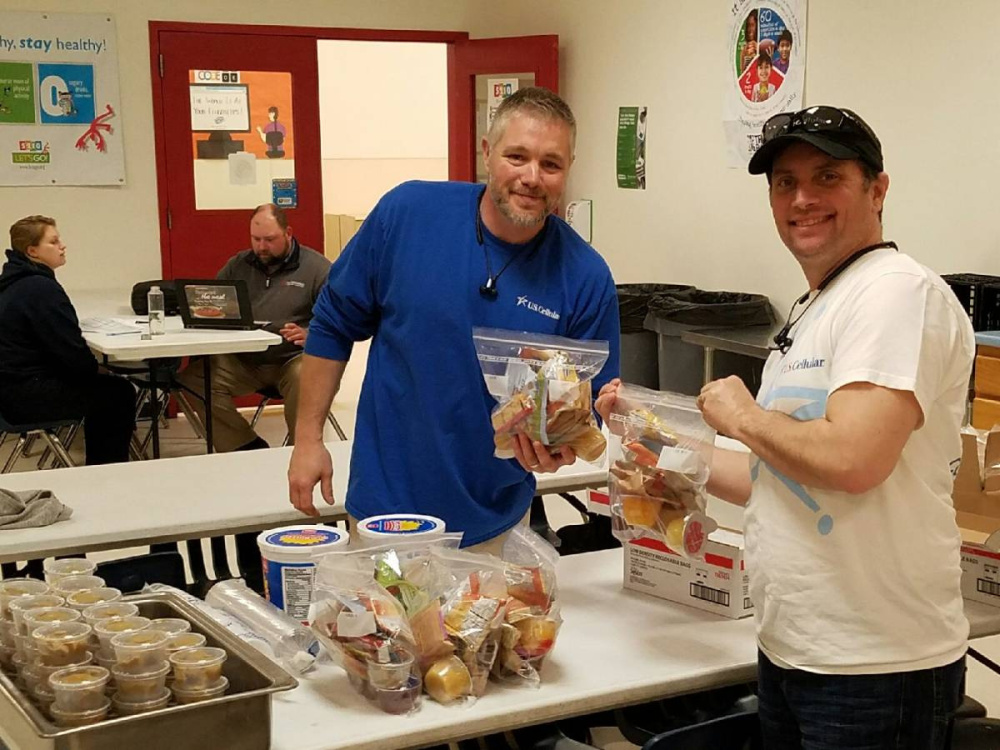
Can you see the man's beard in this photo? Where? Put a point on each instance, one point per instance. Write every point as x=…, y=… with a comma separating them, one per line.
x=272, y=260
x=518, y=218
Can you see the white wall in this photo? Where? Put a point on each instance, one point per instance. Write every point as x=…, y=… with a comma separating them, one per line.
x=113, y=233
x=383, y=117
x=922, y=77
x=922, y=73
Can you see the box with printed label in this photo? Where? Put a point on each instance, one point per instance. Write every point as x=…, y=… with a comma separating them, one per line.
x=719, y=583
x=980, y=574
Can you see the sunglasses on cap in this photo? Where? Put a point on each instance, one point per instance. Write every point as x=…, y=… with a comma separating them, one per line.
x=821, y=119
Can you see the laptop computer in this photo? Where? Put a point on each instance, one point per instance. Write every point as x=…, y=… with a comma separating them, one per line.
x=214, y=303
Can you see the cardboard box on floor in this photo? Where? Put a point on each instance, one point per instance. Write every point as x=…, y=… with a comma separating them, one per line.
x=977, y=508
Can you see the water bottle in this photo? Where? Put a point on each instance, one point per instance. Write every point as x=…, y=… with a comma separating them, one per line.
x=154, y=302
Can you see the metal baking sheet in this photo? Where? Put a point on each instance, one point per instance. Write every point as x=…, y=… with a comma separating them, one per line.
x=239, y=719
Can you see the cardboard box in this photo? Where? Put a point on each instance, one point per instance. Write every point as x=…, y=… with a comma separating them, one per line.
x=977, y=504
x=980, y=574
x=718, y=584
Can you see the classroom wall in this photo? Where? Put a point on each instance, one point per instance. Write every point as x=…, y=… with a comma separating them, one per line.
x=921, y=76
x=920, y=72
x=384, y=119
x=113, y=233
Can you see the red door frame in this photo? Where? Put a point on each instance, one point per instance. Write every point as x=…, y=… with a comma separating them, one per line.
x=155, y=27
x=468, y=58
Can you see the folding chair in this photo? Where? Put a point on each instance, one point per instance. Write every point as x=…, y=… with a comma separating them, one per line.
x=47, y=431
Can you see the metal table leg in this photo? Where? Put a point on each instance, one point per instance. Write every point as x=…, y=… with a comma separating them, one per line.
x=207, y=370
x=154, y=409
x=708, y=373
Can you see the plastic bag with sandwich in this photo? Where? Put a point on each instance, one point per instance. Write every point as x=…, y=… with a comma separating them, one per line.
x=365, y=605
x=542, y=385
x=532, y=620
x=660, y=458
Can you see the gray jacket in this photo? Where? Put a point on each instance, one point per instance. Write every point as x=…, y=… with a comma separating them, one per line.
x=282, y=294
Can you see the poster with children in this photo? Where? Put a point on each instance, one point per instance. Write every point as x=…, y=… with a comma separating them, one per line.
x=766, y=75
x=60, y=121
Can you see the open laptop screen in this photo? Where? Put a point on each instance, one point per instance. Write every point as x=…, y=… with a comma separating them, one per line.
x=212, y=303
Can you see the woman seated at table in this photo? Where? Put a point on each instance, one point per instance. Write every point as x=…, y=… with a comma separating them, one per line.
x=47, y=372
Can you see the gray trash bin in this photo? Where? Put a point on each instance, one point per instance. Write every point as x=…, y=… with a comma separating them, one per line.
x=681, y=365
x=639, y=363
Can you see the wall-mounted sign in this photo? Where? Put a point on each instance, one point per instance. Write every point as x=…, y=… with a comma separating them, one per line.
x=220, y=107
x=59, y=106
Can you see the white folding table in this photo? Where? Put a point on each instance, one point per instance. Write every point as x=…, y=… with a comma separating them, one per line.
x=616, y=648
x=175, y=342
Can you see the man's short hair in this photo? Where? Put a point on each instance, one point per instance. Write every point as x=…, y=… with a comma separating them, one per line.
x=785, y=36
x=533, y=100
x=277, y=213
x=28, y=232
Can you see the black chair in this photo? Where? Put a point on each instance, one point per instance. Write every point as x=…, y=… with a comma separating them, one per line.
x=273, y=394
x=130, y=574
x=739, y=731
x=48, y=431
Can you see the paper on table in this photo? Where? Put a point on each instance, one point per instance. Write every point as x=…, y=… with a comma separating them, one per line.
x=107, y=326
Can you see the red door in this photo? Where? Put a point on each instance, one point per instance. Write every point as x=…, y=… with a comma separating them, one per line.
x=237, y=112
x=472, y=66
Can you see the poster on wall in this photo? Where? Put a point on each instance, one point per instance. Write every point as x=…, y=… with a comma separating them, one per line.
x=60, y=117
x=630, y=156
x=765, y=72
x=497, y=89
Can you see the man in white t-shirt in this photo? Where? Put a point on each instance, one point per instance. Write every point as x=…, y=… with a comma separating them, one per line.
x=852, y=546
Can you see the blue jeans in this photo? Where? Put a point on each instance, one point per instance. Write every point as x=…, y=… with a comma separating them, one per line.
x=897, y=711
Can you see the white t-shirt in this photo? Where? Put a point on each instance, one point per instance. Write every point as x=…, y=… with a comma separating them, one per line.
x=862, y=584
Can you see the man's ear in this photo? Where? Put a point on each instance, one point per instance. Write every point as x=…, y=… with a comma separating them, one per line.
x=880, y=186
x=485, y=147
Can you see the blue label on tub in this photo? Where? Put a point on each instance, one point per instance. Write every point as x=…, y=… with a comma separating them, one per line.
x=303, y=538
x=401, y=525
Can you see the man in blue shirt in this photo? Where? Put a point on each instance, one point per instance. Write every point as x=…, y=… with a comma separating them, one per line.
x=432, y=261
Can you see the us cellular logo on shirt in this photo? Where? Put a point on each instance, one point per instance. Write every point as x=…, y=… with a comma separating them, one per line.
x=535, y=307
x=808, y=363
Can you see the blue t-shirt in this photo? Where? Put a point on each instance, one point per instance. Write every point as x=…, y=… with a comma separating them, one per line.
x=409, y=279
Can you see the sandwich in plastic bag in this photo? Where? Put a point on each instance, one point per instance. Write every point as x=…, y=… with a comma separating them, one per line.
x=532, y=620
x=542, y=385
x=660, y=459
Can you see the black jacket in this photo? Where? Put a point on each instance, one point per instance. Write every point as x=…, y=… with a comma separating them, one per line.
x=39, y=331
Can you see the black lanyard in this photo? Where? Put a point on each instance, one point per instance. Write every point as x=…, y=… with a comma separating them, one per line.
x=489, y=288
x=782, y=339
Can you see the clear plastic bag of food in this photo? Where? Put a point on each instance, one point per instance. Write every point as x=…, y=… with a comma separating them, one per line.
x=363, y=604
x=474, y=608
x=532, y=620
x=660, y=458
x=542, y=385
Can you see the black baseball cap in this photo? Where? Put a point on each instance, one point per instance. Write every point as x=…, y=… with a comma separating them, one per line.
x=838, y=132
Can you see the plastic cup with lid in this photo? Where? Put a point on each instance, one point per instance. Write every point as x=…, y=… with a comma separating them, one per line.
x=55, y=570
x=22, y=604
x=125, y=707
x=69, y=584
x=197, y=668
x=80, y=718
x=141, y=651
x=79, y=689
x=62, y=643
x=195, y=695
x=89, y=597
x=12, y=588
x=109, y=611
x=171, y=625
x=138, y=688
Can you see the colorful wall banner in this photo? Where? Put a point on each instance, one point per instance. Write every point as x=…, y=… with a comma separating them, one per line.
x=60, y=115
x=497, y=89
x=766, y=72
x=631, y=151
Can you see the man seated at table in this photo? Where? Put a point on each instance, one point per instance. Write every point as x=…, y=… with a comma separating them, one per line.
x=284, y=279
